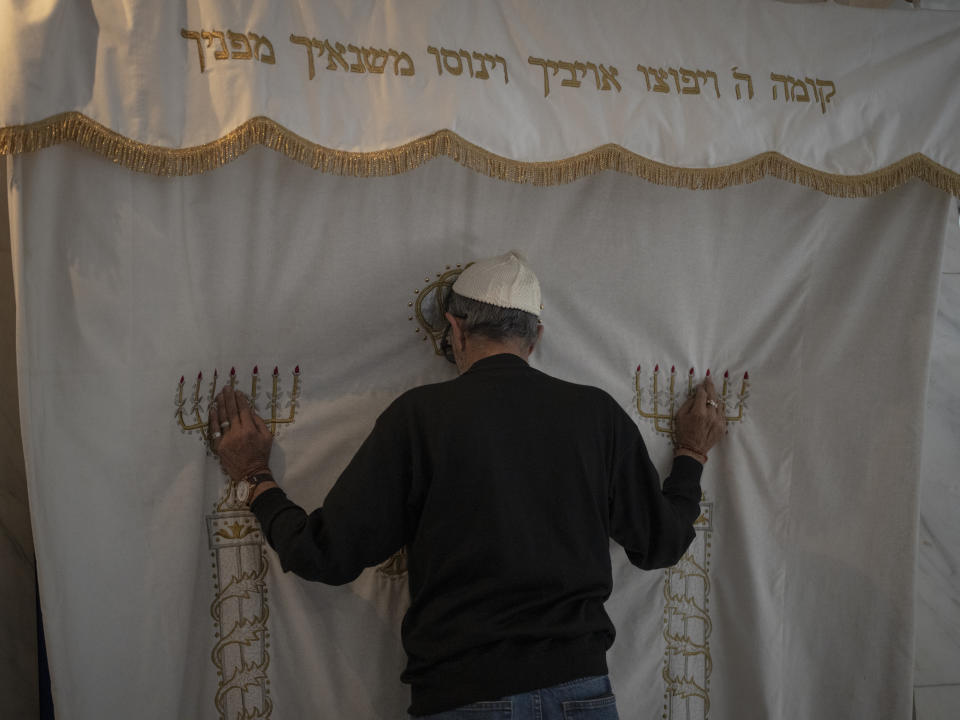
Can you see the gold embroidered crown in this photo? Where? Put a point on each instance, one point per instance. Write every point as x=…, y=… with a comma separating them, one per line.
x=430, y=305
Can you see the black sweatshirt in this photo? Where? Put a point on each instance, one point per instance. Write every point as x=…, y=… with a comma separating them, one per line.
x=505, y=485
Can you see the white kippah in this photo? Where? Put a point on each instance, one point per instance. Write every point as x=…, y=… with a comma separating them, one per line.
x=504, y=281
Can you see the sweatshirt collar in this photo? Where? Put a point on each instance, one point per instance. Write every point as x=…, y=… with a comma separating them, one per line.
x=502, y=360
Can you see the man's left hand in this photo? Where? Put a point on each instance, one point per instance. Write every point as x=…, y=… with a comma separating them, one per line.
x=244, y=442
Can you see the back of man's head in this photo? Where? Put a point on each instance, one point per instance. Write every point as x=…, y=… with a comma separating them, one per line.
x=498, y=298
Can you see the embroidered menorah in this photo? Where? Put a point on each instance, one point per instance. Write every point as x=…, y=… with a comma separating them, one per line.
x=240, y=608
x=665, y=402
x=195, y=418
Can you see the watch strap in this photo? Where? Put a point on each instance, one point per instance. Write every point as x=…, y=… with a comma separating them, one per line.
x=258, y=478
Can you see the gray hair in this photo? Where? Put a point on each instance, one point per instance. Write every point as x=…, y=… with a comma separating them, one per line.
x=491, y=321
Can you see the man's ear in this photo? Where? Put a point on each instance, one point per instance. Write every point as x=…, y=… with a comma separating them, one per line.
x=539, y=336
x=459, y=336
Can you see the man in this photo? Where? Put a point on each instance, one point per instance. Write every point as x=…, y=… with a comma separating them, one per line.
x=505, y=486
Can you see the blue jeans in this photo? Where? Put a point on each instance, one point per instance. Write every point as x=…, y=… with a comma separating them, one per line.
x=586, y=699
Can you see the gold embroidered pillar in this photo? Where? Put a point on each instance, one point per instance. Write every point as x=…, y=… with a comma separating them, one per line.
x=240, y=612
x=687, y=627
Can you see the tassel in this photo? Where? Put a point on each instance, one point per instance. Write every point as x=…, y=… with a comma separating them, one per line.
x=156, y=160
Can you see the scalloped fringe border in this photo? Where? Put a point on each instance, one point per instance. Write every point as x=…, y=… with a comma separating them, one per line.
x=156, y=160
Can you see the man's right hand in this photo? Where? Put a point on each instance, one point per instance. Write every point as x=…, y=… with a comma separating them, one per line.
x=699, y=424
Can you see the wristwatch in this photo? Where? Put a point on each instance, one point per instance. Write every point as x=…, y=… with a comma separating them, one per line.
x=246, y=485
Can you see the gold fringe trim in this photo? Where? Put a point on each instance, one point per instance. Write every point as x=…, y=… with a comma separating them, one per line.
x=157, y=160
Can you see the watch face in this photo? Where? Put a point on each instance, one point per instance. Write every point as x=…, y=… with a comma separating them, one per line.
x=243, y=491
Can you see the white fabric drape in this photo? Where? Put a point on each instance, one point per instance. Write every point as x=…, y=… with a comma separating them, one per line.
x=689, y=84
x=18, y=596
x=796, y=601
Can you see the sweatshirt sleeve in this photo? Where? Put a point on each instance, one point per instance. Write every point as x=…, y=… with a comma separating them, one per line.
x=653, y=524
x=363, y=519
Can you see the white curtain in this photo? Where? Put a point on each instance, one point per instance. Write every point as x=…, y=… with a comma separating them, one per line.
x=18, y=596
x=794, y=602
